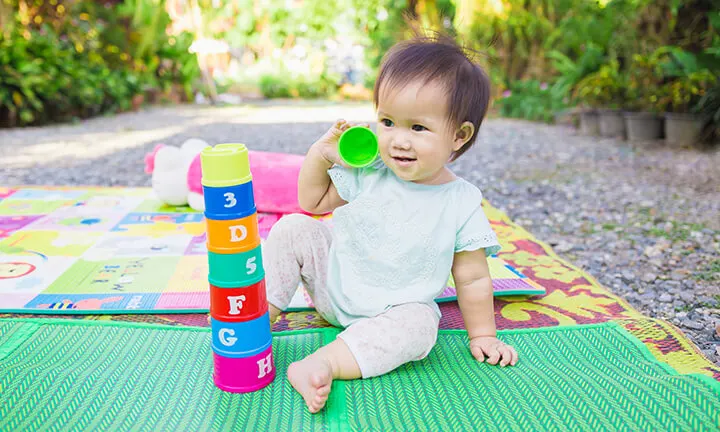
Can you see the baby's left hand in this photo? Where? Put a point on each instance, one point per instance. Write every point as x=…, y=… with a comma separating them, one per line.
x=494, y=349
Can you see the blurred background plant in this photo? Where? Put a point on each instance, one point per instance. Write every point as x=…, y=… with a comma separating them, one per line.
x=604, y=89
x=62, y=59
x=532, y=100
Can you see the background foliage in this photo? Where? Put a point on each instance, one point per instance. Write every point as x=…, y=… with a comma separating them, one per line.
x=61, y=59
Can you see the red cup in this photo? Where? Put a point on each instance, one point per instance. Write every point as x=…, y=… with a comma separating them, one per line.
x=238, y=304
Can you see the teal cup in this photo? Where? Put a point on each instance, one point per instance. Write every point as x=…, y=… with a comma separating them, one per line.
x=358, y=147
x=237, y=269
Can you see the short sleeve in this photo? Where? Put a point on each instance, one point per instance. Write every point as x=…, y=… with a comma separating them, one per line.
x=346, y=181
x=474, y=230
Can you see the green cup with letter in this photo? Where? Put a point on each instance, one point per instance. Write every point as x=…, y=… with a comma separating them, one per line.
x=358, y=146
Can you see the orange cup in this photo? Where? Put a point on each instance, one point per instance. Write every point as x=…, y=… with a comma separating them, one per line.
x=232, y=236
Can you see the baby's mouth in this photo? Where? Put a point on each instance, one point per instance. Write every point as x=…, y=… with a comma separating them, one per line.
x=404, y=159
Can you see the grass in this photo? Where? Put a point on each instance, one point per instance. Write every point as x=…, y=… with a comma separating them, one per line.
x=685, y=308
x=692, y=306
x=587, y=228
x=678, y=232
x=710, y=273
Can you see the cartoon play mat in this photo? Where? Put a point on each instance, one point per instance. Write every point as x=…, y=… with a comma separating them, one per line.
x=588, y=360
x=122, y=251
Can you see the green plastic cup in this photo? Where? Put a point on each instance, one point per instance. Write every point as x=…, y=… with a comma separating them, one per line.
x=225, y=165
x=358, y=146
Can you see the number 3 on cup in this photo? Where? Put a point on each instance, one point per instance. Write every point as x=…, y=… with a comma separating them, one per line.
x=230, y=198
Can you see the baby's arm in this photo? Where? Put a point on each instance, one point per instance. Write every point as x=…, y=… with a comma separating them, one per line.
x=316, y=191
x=475, y=298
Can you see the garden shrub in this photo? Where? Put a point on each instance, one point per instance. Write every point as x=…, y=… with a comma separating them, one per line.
x=77, y=59
x=284, y=85
x=531, y=100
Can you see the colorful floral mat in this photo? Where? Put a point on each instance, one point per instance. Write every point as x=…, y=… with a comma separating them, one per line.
x=106, y=250
x=573, y=297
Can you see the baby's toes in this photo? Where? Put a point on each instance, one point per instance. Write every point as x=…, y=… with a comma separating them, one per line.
x=319, y=402
x=318, y=406
x=323, y=391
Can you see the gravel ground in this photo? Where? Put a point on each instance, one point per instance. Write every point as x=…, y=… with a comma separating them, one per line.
x=643, y=219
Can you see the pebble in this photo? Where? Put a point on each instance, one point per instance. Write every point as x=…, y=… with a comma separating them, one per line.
x=687, y=297
x=649, y=277
x=614, y=205
x=693, y=325
x=671, y=285
x=628, y=276
x=563, y=247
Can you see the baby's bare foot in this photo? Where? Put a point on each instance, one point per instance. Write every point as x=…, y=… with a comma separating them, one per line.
x=312, y=378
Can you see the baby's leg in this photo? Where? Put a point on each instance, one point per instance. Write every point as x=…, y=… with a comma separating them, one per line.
x=296, y=250
x=403, y=334
x=369, y=347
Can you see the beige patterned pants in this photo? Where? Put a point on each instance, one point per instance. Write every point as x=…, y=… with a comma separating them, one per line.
x=297, y=250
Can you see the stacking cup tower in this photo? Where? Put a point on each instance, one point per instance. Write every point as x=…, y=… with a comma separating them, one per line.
x=241, y=338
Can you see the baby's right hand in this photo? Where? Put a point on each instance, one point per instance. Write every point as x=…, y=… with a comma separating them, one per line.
x=327, y=145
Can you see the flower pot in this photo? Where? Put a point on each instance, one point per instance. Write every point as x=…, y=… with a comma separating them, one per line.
x=564, y=118
x=643, y=126
x=682, y=129
x=611, y=123
x=589, y=123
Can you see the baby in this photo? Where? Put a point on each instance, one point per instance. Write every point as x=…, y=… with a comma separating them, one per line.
x=400, y=227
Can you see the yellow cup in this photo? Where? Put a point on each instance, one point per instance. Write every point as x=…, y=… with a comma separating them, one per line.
x=225, y=165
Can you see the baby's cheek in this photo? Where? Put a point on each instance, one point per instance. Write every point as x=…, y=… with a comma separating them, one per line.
x=383, y=143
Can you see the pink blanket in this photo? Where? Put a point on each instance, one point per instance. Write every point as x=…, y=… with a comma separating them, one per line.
x=275, y=181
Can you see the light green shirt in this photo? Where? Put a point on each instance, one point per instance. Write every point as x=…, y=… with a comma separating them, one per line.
x=394, y=242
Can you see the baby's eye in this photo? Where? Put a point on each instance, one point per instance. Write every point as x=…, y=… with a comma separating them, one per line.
x=387, y=122
x=419, y=128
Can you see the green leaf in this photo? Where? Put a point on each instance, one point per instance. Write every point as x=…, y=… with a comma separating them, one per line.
x=715, y=20
x=26, y=116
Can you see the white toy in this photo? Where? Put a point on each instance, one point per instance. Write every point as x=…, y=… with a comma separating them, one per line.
x=176, y=173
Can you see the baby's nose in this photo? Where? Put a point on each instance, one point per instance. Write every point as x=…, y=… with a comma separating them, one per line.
x=402, y=142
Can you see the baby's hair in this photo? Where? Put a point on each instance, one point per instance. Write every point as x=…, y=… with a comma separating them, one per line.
x=438, y=58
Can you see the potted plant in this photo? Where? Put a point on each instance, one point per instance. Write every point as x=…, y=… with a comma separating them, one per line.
x=709, y=109
x=570, y=73
x=677, y=98
x=642, y=120
x=589, y=123
x=604, y=91
x=687, y=80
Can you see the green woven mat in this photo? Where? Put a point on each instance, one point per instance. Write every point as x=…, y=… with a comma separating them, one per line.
x=62, y=374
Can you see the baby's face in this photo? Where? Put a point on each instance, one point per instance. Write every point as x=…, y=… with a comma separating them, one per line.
x=414, y=138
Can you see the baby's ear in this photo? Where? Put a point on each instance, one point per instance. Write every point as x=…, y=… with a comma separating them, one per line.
x=463, y=135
